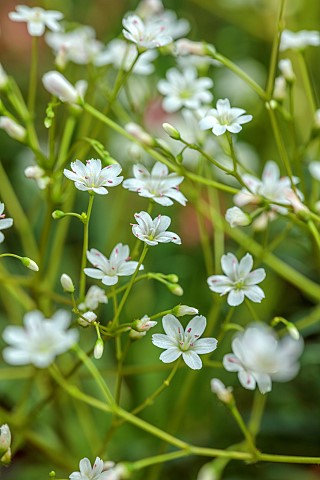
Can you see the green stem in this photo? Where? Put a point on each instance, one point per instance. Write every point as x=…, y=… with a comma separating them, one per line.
x=82, y=282
x=65, y=141
x=247, y=434
x=251, y=310
x=33, y=76
x=275, y=50
x=256, y=413
x=307, y=82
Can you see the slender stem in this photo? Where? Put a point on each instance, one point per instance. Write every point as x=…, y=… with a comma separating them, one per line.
x=33, y=76
x=275, y=50
x=224, y=326
x=82, y=287
x=257, y=412
x=247, y=434
x=251, y=310
x=65, y=141
x=307, y=82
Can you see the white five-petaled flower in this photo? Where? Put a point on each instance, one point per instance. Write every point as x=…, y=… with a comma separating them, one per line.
x=147, y=34
x=122, y=55
x=178, y=341
x=154, y=231
x=40, y=340
x=158, y=185
x=184, y=89
x=259, y=357
x=299, y=40
x=271, y=187
x=4, y=222
x=56, y=84
x=96, y=472
x=224, y=118
x=91, y=177
x=37, y=19
x=108, y=271
x=238, y=282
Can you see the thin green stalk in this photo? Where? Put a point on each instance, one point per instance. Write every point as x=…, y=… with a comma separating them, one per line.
x=247, y=434
x=275, y=50
x=33, y=76
x=82, y=282
x=65, y=141
x=251, y=310
x=258, y=407
x=306, y=81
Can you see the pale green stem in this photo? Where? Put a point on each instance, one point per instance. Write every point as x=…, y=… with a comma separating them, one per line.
x=307, y=82
x=33, y=76
x=82, y=282
x=238, y=418
x=252, y=310
x=65, y=141
x=314, y=232
x=259, y=403
x=225, y=324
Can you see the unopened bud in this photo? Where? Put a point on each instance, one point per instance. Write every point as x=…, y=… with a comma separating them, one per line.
x=66, y=283
x=184, y=46
x=137, y=132
x=223, y=393
x=293, y=331
x=143, y=324
x=134, y=335
x=181, y=310
x=280, y=90
x=4, y=80
x=314, y=169
x=171, y=131
x=57, y=214
x=5, y=438
x=34, y=172
x=286, y=69
x=98, y=349
x=13, y=129
x=237, y=217
x=316, y=119
x=172, y=277
x=175, y=289
x=27, y=262
x=6, y=458
x=56, y=84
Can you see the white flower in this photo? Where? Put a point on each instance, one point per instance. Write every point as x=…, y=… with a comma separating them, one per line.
x=143, y=324
x=91, y=177
x=224, y=118
x=12, y=128
x=259, y=357
x=174, y=27
x=96, y=472
x=37, y=19
x=271, y=187
x=153, y=232
x=223, y=393
x=237, y=218
x=238, y=282
x=79, y=46
x=40, y=340
x=159, y=184
x=184, y=89
x=56, y=84
x=314, y=169
x=145, y=34
x=120, y=54
x=4, y=222
x=299, y=40
x=186, y=342
x=108, y=271
x=95, y=295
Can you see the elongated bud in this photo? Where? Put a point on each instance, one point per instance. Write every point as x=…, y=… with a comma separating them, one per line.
x=27, y=262
x=286, y=69
x=293, y=331
x=67, y=283
x=137, y=132
x=175, y=289
x=57, y=214
x=4, y=80
x=171, y=131
x=316, y=119
x=13, y=129
x=172, y=277
x=98, y=349
x=181, y=310
x=280, y=89
x=237, y=217
x=56, y=84
x=5, y=438
x=223, y=393
x=184, y=46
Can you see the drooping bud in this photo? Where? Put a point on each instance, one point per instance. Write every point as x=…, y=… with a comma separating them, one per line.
x=98, y=349
x=223, y=393
x=293, y=331
x=67, y=283
x=57, y=214
x=237, y=217
x=286, y=69
x=280, y=89
x=27, y=262
x=5, y=438
x=13, y=129
x=175, y=289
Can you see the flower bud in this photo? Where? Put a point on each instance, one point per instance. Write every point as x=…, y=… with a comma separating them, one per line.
x=172, y=277
x=184, y=46
x=56, y=84
x=280, y=89
x=13, y=129
x=5, y=438
x=314, y=169
x=34, y=172
x=175, y=289
x=66, y=283
x=27, y=262
x=137, y=132
x=293, y=331
x=134, y=335
x=144, y=324
x=223, y=393
x=57, y=214
x=4, y=80
x=98, y=349
x=171, y=131
x=87, y=318
x=237, y=218
x=181, y=310
x=285, y=67
x=295, y=201
x=316, y=119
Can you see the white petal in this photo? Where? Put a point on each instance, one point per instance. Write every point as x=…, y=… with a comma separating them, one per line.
x=235, y=298
x=205, y=345
x=247, y=380
x=264, y=382
x=163, y=341
x=172, y=326
x=170, y=355
x=229, y=265
x=254, y=293
x=245, y=265
x=192, y=360
x=232, y=363
x=256, y=276
x=196, y=326
x=219, y=283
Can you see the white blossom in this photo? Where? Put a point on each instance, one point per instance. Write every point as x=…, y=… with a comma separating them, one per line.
x=259, y=357
x=56, y=84
x=12, y=128
x=178, y=341
x=37, y=19
x=299, y=40
x=122, y=55
x=271, y=187
x=40, y=340
x=91, y=177
x=224, y=118
x=95, y=472
x=154, y=231
x=79, y=46
x=184, y=89
x=145, y=34
x=108, y=271
x=4, y=222
x=174, y=27
x=158, y=185
x=95, y=295
x=86, y=318
x=237, y=218
x=239, y=281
